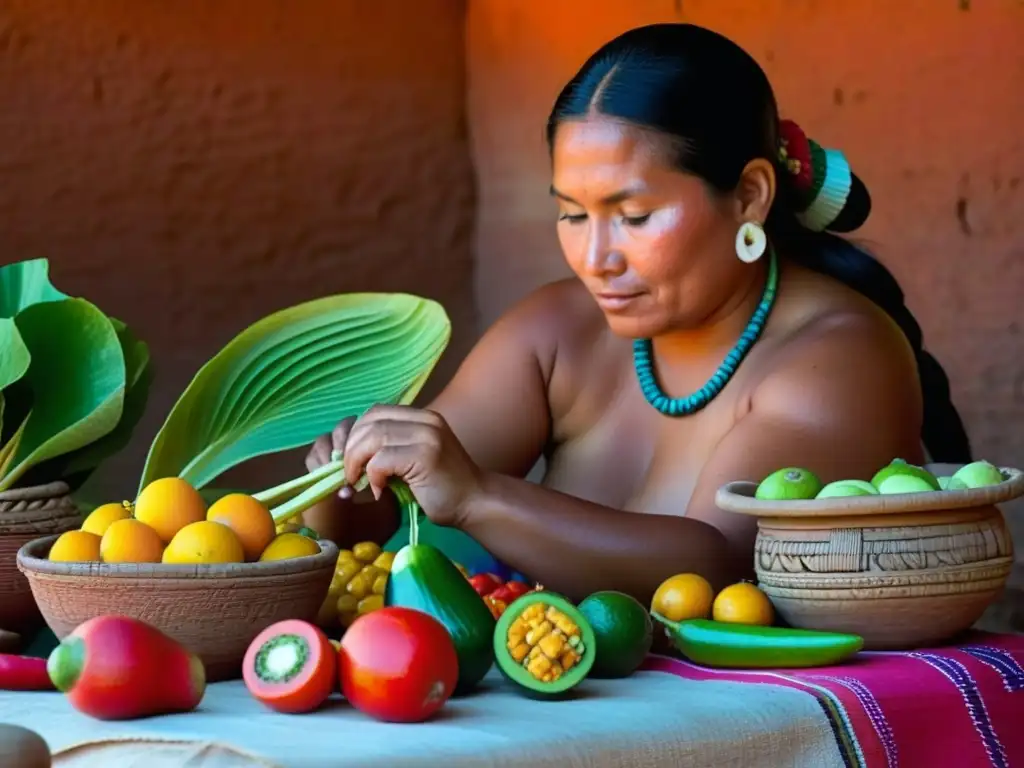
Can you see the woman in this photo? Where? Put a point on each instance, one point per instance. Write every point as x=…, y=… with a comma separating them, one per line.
x=714, y=332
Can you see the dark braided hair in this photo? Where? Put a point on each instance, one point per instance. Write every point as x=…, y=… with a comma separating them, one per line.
x=716, y=104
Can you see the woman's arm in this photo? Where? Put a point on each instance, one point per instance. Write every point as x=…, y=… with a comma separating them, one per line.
x=843, y=403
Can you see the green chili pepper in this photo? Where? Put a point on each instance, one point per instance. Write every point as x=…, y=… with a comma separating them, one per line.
x=741, y=646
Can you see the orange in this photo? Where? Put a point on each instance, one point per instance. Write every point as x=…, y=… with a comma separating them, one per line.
x=286, y=546
x=129, y=541
x=100, y=518
x=248, y=518
x=743, y=603
x=204, y=542
x=169, y=504
x=76, y=547
x=683, y=596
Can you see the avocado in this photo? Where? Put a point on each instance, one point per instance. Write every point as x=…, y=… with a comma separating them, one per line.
x=424, y=579
x=544, y=645
x=623, y=630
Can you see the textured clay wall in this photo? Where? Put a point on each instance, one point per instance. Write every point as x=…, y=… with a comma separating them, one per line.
x=926, y=98
x=192, y=166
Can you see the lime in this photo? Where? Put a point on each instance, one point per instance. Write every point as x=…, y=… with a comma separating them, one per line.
x=789, y=484
x=842, y=488
x=978, y=474
x=900, y=483
x=901, y=467
x=952, y=484
x=623, y=633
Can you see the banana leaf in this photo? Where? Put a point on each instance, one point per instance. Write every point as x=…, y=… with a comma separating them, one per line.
x=24, y=284
x=293, y=375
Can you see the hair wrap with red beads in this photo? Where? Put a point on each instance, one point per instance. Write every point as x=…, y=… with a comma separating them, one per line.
x=819, y=178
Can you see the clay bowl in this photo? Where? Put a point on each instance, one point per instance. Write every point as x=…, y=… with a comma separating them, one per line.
x=215, y=610
x=27, y=514
x=903, y=570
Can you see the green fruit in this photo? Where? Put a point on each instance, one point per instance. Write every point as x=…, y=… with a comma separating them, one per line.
x=744, y=646
x=623, y=632
x=900, y=467
x=952, y=484
x=842, y=488
x=424, y=579
x=979, y=474
x=788, y=484
x=905, y=484
x=309, y=533
x=518, y=672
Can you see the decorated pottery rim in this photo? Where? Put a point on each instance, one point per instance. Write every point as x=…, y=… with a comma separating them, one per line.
x=739, y=497
x=32, y=560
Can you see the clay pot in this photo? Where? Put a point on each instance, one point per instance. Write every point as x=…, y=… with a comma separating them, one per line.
x=215, y=610
x=903, y=570
x=27, y=514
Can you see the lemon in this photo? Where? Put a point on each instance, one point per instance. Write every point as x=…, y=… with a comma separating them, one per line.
x=842, y=488
x=947, y=483
x=76, y=547
x=743, y=603
x=683, y=596
x=100, y=518
x=978, y=474
x=900, y=483
x=789, y=484
x=168, y=505
x=204, y=541
x=901, y=467
x=286, y=546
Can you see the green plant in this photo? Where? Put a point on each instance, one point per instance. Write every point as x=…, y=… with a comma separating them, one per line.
x=73, y=381
x=292, y=376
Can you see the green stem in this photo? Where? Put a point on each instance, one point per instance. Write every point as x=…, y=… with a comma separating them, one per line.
x=316, y=493
x=407, y=501
x=272, y=497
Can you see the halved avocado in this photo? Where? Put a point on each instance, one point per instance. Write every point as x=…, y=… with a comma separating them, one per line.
x=544, y=645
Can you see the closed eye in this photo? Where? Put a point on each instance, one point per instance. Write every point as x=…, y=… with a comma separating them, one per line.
x=573, y=218
x=636, y=221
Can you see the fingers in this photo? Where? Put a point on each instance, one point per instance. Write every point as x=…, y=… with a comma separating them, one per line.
x=319, y=454
x=388, y=462
x=339, y=436
x=369, y=438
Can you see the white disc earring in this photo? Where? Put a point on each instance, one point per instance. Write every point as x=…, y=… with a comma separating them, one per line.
x=751, y=242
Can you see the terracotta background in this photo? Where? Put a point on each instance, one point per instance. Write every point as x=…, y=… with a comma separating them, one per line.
x=192, y=166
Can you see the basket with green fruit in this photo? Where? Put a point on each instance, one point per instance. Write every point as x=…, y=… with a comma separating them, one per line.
x=909, y=557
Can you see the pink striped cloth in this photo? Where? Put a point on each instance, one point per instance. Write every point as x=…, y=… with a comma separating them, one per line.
x=959, y=706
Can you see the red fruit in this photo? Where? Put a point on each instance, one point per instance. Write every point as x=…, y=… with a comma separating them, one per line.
x=291, y=667
x=397, y=665
x=510, y=591
x=117, y=668
x=485, y=583
x=24, y=673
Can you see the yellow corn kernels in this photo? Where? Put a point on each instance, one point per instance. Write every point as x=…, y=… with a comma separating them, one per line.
x=545, y=641
x=357, y=587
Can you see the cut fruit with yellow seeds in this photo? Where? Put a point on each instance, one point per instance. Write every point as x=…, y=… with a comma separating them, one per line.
x=286, y=546
x=100, y=518
x=76, y=547
x=204, y=542
x=683, y=596
x=168, y=505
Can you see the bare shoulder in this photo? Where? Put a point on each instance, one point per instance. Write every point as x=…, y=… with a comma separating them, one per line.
x=844, y=362
x=555, y=316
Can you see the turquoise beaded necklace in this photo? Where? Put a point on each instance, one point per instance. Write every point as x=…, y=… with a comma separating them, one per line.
x=643, y=358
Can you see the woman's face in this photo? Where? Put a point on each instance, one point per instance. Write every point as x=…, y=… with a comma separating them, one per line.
x=654, y=246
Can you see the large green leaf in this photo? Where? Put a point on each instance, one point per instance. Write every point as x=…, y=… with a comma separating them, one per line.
x=24, y=284
x=138, y=379
x=293, y=375
x=76, y=377
x=14, y=355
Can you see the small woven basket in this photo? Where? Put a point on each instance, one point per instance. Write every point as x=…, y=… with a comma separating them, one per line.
x=27, y=514
x=215, y=610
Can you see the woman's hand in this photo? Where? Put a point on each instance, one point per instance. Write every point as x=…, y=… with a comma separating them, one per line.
x=416, y=446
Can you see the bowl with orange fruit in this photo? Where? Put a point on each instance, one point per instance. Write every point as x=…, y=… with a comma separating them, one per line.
x=210, y=575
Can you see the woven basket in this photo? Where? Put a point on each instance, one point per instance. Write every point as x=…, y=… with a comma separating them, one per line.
x=27, y=514
x=902, y=570
x=215, y=610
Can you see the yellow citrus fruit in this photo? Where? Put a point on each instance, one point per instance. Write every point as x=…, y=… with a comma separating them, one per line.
x=100, y=518
x=130, y=541
x=248, y=518
x=743, y=603
x=286, y=546
x=169, y=504
x=683, y=596
x=76, y=547
x=205, y=542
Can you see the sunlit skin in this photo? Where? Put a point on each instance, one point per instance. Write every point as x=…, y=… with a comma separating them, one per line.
x=628, y=495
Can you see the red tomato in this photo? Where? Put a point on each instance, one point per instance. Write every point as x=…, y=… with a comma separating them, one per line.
x=485, y=583
x=397, y=665
x=518, y=588
x=291, y=667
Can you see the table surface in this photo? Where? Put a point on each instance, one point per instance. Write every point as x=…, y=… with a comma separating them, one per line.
x=650, y=720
